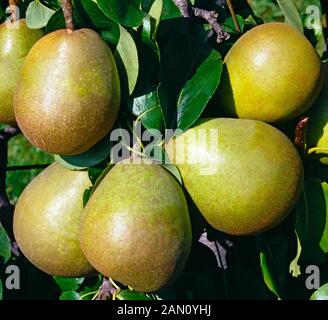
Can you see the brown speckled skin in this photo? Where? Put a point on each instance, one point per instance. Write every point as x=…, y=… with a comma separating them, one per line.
x=258, y=178
x=136, y=227
x=14, y=46
x=68, y=95
x=272, y=74
x=47, y=218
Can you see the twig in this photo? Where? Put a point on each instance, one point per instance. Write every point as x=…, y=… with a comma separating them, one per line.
x=211, y=17
x=68, y=14
x=233, y=15
x=184, y=7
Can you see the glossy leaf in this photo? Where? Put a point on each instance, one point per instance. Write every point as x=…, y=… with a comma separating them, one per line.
x=69, y=295
x=267, y=275
x=126, y=13
x=229, y=25
x=321, y=293
x=182, y=57
x=108, y=28
x=170, y=10
x=198, y=90
x=38, y=15
x=291, y=14
x=92, y=157
x=57, y=21
x=148, y=110
x=132, y=295
x=5, y=249
x=312, y=221
x=174, y=171
x=126, y=55
x=68, y=284
x=156, y=10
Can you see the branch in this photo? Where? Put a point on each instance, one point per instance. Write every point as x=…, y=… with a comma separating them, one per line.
x=211, y=17
x=68, y=14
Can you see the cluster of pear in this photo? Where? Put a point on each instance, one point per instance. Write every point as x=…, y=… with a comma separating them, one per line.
x=136, y=227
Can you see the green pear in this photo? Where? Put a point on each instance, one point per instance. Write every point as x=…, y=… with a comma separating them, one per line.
x=272, y=74
x=47, y=218
x=244, y=176
x=68, y=95
x=16, y=40
x=136, y=227
x=317, y=135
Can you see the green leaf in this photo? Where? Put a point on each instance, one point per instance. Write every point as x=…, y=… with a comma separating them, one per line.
x=229, y=25
x=67, y=165
x=132, y=295
x=69, y=295
x=182, y=56
x=321, y=293
x=170, y=10
x=312, y=221
x=1, y=290
x=38, y=15
x=92, y=157
x=156, y=10
x=291, y=14
x=98, y=20
x=267, y=275
x=126, y=56
x=126, y=13
x=294, y=267
x=68, y=284
x=5, y=250
x=148, y=110
x=57, y=21
x=174, y=171
x=198, y=90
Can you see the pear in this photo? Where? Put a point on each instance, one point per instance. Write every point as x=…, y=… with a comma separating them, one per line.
x=317, y=135
x=272, y=73
x=16, y=40
x=244, y=176
x=68, y=95
x=136, y=227
x=47, y=218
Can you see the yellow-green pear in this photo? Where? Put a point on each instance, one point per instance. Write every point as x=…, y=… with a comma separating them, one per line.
x=47, y=218
x=244, y=176
x=68, y=95
x=16, y=40
x=136, y=227
x=272, y=73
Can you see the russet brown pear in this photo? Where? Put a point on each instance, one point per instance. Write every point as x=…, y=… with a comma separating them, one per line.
x=16, y=40
x=68, y=95
x=47, y=218
x=136, y=227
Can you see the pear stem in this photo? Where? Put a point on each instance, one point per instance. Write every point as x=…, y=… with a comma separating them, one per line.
x=13, y=4
x=233, y=15
x=68, y=14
